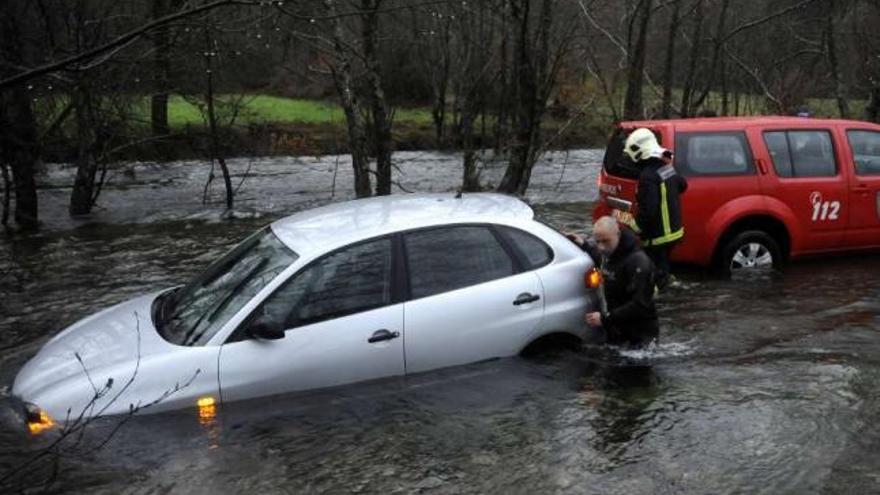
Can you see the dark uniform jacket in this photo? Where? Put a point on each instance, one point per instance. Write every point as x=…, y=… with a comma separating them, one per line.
x=659, y=213
x=629, y=290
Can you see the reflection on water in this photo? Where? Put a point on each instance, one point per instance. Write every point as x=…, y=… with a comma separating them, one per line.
x=758, y=386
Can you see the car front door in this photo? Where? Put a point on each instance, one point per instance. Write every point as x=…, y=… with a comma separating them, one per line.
x=470, y=299
x=809, y=180
x=341, y=322
x=864, y=188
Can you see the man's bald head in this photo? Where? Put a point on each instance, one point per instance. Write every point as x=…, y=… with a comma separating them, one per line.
x=606, y=232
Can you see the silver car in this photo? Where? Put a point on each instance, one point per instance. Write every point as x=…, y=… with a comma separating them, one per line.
x=344, y=293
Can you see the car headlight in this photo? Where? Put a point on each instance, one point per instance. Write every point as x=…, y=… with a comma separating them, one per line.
x=37, y=419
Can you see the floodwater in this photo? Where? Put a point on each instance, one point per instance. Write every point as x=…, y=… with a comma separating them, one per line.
x=763, y=385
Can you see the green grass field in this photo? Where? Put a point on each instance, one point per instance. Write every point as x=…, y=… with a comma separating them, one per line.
x=274, y=109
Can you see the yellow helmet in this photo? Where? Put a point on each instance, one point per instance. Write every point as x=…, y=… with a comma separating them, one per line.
x=642, y=144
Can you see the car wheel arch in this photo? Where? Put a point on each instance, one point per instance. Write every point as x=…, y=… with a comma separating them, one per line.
x=553, y=339
x=756, y=210
x=763, y=222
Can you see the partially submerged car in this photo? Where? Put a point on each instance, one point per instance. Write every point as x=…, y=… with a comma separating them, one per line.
x=344, y=293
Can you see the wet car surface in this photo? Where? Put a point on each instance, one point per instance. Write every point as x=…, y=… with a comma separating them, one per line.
x=764, y=385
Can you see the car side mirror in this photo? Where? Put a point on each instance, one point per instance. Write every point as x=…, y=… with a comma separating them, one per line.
x=265, y=331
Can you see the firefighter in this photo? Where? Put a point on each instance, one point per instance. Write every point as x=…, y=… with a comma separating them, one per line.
x=658, y=220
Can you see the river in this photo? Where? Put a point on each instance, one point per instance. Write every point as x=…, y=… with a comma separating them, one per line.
x=760, y=385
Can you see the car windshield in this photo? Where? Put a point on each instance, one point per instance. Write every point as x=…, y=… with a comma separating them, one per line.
x=192, y=314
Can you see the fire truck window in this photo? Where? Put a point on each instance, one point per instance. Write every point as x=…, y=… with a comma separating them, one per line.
x=716, y=153
x=777, y=145
x=812, y=154
x=866, y=151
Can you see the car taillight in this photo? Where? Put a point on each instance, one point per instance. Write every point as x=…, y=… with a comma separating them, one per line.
x=593, y=278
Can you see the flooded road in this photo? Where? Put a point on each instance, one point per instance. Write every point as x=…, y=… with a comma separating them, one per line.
x=764, y=385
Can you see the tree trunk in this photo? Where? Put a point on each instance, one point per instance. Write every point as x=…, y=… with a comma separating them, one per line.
x=725, y=92
x=831, y=52
x=524, y=89
x=381, y=122
x=18, y=140
x=696, y=41
x=86, y=165
x=669, y=66
x=342, y=78
x=162, y=70
x=505, y=82
x=19, y=148
x=471, y=177
x=216, y=150
x=7, y=191
x=720, y=35
x=531, y=67
x=633, y=108
x=872, y=110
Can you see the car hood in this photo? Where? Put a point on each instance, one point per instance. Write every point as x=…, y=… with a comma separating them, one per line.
x=115, y=335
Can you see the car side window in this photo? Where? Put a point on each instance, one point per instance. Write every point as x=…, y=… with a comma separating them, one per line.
x=448, y=258
x=354, y=279
x=713, y=153
x=866, y=151
x=801, y=153
x=536, y=252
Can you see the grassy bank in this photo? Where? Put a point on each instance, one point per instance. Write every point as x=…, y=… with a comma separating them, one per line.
x=263, y=125
x=265, y=109
x=271, y=125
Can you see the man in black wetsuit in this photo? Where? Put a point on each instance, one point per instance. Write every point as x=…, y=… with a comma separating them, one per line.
x=628, y=276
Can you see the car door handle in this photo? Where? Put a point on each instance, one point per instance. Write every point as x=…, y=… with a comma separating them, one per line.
x=525, y=298
x=381, y=335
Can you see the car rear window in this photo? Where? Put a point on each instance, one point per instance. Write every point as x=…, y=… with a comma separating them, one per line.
x=801, y=153
x=713, y=154
x=536, y=252
x=448, y=258
x=866, y=151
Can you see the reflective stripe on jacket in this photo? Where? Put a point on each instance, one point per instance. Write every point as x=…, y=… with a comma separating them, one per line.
x=659, y=213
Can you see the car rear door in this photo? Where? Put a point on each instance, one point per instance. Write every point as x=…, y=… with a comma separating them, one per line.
x=863, y=153
x=803, y=171
x=342, y=323
x=470, y=299
x=719, y=168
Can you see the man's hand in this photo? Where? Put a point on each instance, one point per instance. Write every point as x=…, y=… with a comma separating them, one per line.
x=594, y=319
x=575, y=238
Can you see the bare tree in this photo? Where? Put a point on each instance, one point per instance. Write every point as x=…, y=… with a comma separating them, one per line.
x=535, y=63
x=633, y=108
x=18, y=128
x=381, y=117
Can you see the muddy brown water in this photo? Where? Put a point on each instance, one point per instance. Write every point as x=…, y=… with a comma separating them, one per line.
x=760, y=385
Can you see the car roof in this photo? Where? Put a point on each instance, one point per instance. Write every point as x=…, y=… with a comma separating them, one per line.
x=728, y=123
x=323, y=228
